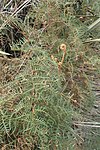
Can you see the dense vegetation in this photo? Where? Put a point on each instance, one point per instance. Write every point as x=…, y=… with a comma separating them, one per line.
x=49, y=65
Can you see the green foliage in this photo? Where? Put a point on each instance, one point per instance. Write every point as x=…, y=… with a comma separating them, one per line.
x=39, y=114
x=39, y=99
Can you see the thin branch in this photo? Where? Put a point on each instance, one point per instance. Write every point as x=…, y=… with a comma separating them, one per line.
x=94, y=24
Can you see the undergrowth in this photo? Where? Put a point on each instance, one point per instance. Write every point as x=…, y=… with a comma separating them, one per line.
x=51, y=87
